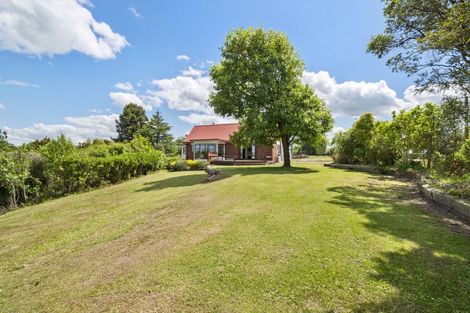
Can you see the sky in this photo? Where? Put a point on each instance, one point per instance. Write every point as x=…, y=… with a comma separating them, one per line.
x=69, y=66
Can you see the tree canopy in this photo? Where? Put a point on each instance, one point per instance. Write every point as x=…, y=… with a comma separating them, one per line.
x=130, y=122
x=4, y=144
x=429, y=38
x=157, y=130
x=258, y=82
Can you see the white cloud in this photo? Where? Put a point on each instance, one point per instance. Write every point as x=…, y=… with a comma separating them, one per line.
x=98, y=111
x=37, y=27
x=124, y=86
x=199, y=119
x=87, y=3
x=135, y=13
x=124, y=98
x=2, y=106
x=78, y=129
x=412, y=97
x=18, y=83
x=182, y=57
x=184, y=93
x=192, y=72
x=353, y=98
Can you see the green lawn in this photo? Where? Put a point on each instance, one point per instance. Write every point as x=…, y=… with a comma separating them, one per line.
x=262, y=239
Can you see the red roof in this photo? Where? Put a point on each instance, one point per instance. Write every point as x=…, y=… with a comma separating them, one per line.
x=212, y=132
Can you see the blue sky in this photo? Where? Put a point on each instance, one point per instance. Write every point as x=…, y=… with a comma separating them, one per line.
x=60, y=64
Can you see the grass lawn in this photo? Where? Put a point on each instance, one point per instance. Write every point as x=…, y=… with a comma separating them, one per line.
x=262, y=239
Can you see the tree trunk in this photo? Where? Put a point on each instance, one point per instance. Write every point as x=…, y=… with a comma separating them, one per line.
x=429, y=153
x=13, y=198
x=467, y=118
x=285, y=149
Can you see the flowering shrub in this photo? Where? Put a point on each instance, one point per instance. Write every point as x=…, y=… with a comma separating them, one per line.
x=187, y=165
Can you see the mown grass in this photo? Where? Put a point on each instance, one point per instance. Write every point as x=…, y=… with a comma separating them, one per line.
x=261, y=239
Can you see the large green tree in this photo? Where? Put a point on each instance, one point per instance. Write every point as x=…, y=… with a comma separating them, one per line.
x=157, y=130
x=429, y=39
x=361, y=135
x=258, y=82
x=130, y=122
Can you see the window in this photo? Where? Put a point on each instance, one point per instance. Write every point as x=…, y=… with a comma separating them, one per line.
x=211, y=148
x=201, y=150
x=221, y=149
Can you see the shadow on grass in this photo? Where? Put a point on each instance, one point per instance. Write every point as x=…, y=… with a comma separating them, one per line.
x=432, y=277
x=191, y=179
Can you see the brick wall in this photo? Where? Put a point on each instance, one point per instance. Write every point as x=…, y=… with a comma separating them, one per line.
x=231, y=150
x=189, y=152
x=262, y=151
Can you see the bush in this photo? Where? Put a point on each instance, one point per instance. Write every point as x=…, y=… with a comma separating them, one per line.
x=197, y=165
x=188, y=165
x=171, y=162
x=34, y=173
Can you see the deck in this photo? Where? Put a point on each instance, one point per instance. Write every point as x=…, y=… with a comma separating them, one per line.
x=239, y=162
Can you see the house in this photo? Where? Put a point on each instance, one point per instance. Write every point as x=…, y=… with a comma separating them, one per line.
x=212, y=142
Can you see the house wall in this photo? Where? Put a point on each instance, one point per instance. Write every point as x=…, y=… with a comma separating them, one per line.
x=231, y=150
x=262, y=151
x=274, y=153
x=189, y=152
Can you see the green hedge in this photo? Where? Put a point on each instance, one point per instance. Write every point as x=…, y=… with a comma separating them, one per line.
x=31, y=175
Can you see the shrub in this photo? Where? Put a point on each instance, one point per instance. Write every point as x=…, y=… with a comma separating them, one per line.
x=197, y=165
x=188, y=165
x=36, y=172
x=171, y=162
x=180, y=165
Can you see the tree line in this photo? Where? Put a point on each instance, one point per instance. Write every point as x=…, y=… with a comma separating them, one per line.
x=49, y=168
x=430, y=138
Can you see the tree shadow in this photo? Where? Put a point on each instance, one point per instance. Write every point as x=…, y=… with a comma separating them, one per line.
x=431, y=276
x=262, y=170
x=191, y=178
x=175, y=182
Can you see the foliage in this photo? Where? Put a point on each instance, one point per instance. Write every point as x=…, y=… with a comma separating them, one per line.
x=187, y=165
x=423, y=135
x=383, y=144
x=56, y=167
x=307, y=149
x=343, y=149
x=428, y=38
x=258, y=82
x=360, y=135
x=130, y=122
x=157, y=130
x=463, y=155
x=13, y=178
x=4, y=144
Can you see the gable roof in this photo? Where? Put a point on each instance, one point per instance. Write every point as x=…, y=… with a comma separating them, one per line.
x=212, y=132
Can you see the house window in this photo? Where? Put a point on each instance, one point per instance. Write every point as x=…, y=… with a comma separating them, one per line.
x=201, y=150
x=221, y=149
